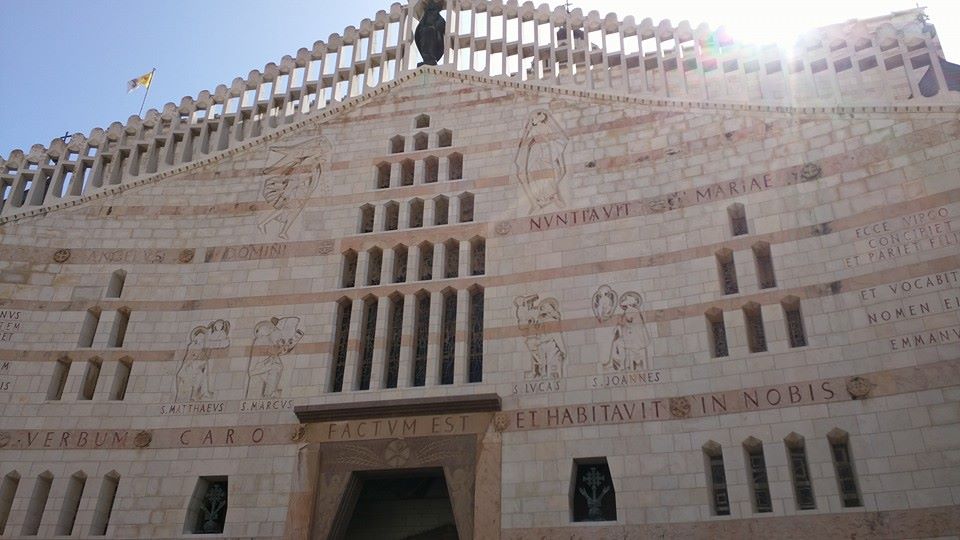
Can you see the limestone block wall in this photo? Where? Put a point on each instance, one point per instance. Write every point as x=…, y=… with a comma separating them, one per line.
x=601, y=218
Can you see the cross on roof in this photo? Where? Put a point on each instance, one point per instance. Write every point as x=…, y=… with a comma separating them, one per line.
x=567, y=5
x=66, y=135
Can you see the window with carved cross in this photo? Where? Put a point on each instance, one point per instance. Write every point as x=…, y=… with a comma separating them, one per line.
x=475, y=335
x=593, y=495
x=340, y=338
x=728, y=272
x=367, y=343
x=394, y=334
x=757, y=469
x=800, y=472
x=448, y=336
x=717, y=479
x=421, y=336
x=207, y=513
x=756, y=336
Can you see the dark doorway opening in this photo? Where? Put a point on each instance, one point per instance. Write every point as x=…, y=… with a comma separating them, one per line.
x=400, y=505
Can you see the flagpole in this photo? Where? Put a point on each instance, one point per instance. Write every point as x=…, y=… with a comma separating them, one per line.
x=152, y=73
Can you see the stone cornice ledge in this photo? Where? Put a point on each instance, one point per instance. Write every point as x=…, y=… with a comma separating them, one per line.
x=394, y=408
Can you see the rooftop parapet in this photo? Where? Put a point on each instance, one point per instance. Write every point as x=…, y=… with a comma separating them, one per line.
x=880, y=61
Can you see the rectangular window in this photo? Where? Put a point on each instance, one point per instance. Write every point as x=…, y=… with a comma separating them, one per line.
x=717, y=333
x=121, y=379
x=448, y=336
x=728, y=272
x=800, y=472
x=478, y=256
x=59, y=380
x=421, y=333
x=738, y=219
x=119, y=331
x=38, y=503
x=8, y=490
x=400, y=264
x=765, y=276
x=759, y=485
x=367, y=343
x=71, y=504
x=394, y=335
x=207, y=513
x=340, y=341
x=847, y=480
x=475, y=335
x=795, y=331
x=105, y=500
x=452, y=259
x=349, y=278
x=756, y=337
x=717, y=480
x=90, y=378
x=374, y=266
x=89, y=329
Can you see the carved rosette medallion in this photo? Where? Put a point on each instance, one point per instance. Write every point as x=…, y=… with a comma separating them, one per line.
x=503, y=228
x=858, y=387
x=299, y=433
x=325, y=247
x=500, y=422
x=4, y=439
x=397, y=453
x=143, y=439
x=61, y=255
x=186, y=255
x=680, y=407
x=810, y=171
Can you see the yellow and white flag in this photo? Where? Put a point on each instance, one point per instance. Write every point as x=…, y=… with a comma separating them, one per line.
x=143, y=80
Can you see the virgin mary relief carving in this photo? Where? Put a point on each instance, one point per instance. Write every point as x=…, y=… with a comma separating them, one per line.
x=294, y=170
x=193, y=374
x=540, y=162
x=629, y=340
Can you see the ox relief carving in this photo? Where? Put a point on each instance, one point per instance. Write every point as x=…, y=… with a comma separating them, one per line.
x=272, y=339
x=539, y=320
x=193, y=374
x=540, y=162
x=294, y=170
x=629, y=339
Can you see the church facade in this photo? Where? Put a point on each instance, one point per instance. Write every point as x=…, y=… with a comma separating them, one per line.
x=642, y=282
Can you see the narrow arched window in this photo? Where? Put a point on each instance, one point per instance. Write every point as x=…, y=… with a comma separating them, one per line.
x=89, y=329
x=383, y=175
x=406, y=172
x=420, y=141
x=340, y=341
x=716, y=479
x=794, y=320
x=843, y=466
x=391, y=216
x=431, y=170
x=90, y=378
x=717, y=333
x=374, y=265
x=441, y=210
x=426, y=261
x=349, y=269
x=800, y=472
x=421, y=333
x=394, y=335
x=466, y=207
x=71, y=504
x=444, y=138
x=368, y=330
x=478, y=256
x=757, y=475
x=119, y=331
x=455, y=167
x=727, y=271
x=115, y=287
x=765, y=276
x=416, y=213
x=367, y=214
x=400, y=255
x=59, y=379
x=448, y=335
x=38, y=503
x=475, y=335
x=396, y=144
x=8, y=490
x=756, y=336
x=121, y=379
x=738, y=219
x=451, y=265
x=421, y=121
x=105, y=501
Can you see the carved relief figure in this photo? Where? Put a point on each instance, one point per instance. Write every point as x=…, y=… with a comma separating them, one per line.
x=630, y=339
x=547, y=350
x=193, y=374
x=542, y=146
x=279, y=336
x=292, y=179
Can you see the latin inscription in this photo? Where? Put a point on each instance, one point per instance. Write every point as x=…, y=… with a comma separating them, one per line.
x=889, y=239
x=9, y=324
x=626, y=379
x=5, y=383
x=39, y=440
x=582, y=216
x=189, y=409
x=246, y=253
x=420, y=426
x=131, y=256
x=915, y=298
x=944, y=336
x=260, y=405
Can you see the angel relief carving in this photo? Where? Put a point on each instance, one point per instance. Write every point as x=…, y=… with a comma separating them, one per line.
x=193, y=374
x=540, y=320
x=294, y=170
x=540, y=161
x=629, y=339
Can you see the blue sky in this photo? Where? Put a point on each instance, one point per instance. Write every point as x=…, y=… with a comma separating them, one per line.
x=65, y=63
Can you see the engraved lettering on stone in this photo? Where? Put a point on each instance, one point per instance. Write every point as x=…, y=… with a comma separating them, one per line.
x=293, y=171
x=630, y=339
x=193, y=374
x=547, y=350
x=542, y=148
x=277, y=337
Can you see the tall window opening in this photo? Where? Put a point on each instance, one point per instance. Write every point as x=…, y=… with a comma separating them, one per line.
x=119, y=331
x=843, y=466
x=367, y=213
x=592, y=493
x=89, y=329
x=794, y=321
x=367, y=342
x=71, y=504
x=421, y=333
x=383, y=175
x=59, y=380
x=448, y=335
x=391, y=216
x=765, y=276
x=757, y=475
x=756, y=337
x=121, y=379
x=716, y=333
x=441, y=210
x=349, y=269
x=455, y=171
x=374, y=265
x=394, y=335
x=105, y=501
x=431, y=170
x=421, y=121
x=115, y=286
x=420, y=141
x=406, y=172
x=416, y=213
x=451, y=264
x=800, y=472
x=475, y=335
x=478, y=256
x=38, y=503
x=466, y=207
x=400, y=254
x=340, y=341
x=738, y=219
x=716, y=479
x=90, y=378
x=396, y=144
x=728, y=272
x=444, y=138
x=207, y=512
x=426, y=261
x=8, y=490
